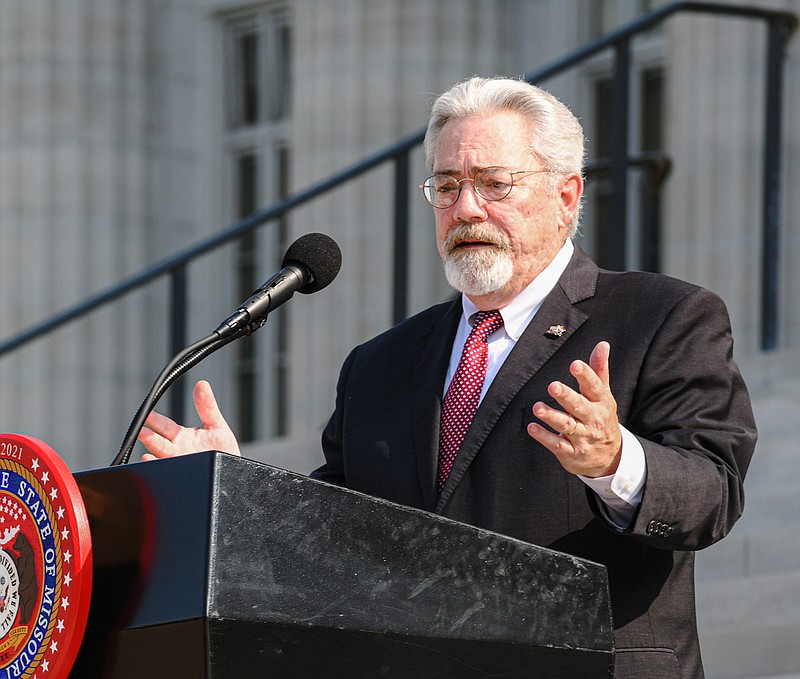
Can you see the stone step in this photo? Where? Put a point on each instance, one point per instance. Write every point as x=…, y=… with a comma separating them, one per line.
x=750, y=626
x=752, y=549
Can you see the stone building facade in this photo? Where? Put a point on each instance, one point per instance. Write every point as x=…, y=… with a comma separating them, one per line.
x=132, y=129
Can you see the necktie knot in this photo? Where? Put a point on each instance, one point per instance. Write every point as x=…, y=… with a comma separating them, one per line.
x=484, y=323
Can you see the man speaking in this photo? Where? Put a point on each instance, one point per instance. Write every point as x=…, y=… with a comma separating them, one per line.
x=592, y=412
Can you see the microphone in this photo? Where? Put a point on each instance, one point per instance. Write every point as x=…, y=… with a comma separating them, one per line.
x=310, y=264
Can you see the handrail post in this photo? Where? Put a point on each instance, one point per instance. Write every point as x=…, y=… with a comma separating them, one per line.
x=177, y=334
x=778, y=34
x=650, y=232
x=401, y=237
x=617, y=236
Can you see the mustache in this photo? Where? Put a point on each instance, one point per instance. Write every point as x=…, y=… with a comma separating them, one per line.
x=475, y=233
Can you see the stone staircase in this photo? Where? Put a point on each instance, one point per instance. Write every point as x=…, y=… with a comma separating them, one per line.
x=748, y=585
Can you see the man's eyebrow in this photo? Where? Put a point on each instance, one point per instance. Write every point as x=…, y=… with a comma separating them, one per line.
x=472, y=170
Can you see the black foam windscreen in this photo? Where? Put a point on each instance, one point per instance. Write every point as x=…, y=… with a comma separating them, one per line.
x=320, y=255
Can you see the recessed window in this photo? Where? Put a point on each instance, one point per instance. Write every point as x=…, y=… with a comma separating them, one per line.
x=257, y=88
x=258, y=78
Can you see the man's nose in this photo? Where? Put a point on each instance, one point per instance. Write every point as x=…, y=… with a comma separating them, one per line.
x=470, y=205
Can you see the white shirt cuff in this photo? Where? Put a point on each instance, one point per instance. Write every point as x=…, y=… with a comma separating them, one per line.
x=622, y=491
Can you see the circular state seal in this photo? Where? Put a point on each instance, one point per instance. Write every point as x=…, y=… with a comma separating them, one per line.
x=45, y=561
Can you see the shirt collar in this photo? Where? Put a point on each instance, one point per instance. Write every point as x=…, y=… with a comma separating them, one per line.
x=519, y=312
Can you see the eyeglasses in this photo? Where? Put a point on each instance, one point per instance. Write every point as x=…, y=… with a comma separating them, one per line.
x=490, y=183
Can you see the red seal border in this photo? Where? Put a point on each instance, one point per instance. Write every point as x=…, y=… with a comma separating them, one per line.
x=32, y=459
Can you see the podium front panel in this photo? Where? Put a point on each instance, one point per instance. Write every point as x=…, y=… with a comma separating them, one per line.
x=269, y=573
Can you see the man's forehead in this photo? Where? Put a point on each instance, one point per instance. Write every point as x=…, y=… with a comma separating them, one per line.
x=498, y=138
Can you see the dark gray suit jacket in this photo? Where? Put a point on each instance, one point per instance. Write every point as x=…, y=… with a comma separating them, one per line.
x=677, y=389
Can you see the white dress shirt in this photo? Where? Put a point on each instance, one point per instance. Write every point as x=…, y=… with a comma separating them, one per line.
x=621, y=492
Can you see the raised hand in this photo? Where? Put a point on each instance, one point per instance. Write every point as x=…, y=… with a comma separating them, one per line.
x=164, y=437
x=589, y=440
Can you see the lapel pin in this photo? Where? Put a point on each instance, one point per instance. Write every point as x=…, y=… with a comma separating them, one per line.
x=556, y=330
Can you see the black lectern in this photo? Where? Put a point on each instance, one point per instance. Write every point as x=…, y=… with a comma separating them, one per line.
x=214, y=566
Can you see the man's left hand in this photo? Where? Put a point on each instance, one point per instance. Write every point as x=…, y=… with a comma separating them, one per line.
x=589, y=440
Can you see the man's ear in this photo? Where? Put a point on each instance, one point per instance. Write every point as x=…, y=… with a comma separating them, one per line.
x=571, y=192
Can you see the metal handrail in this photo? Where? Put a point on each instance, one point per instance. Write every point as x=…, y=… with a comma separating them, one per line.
x=781, y=26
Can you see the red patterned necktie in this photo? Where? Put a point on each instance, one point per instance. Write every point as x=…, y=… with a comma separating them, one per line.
x=463, y=394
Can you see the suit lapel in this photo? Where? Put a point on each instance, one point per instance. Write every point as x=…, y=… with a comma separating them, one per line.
x=431, y=358
x=541, y=339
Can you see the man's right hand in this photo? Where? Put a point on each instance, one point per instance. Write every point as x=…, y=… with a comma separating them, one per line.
x=164, y=437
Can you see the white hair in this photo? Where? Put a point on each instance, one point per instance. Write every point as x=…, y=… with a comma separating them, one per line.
x=557, y=138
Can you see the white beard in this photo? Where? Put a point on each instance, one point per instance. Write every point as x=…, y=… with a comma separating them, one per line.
x=477, y=272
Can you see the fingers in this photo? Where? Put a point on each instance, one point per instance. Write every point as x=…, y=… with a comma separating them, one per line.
x=563, y=423
x=162, y=425
x=598, y=361
x=558, y=444
x=157, y=435
x=163, y=437
x=206, y=405
x=155, y=443
x=593, y=399
x=593, y=378
x=584, y=434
